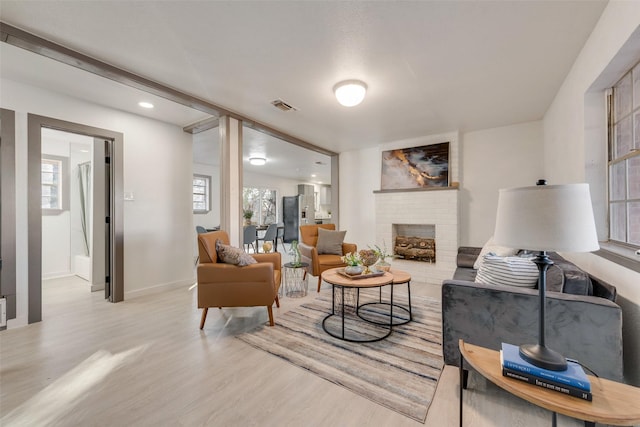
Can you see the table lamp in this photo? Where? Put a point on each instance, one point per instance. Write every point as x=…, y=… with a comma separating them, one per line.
x=545, y=218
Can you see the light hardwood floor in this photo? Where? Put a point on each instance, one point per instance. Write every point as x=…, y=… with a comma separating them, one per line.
x=145, y=362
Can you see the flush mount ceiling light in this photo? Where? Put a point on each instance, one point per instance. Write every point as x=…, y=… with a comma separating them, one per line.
x=257, y=161
x=350, y=92
x=145, y=104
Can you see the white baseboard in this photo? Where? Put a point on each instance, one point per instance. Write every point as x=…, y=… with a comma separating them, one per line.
x=157, y=288
x=58, y=275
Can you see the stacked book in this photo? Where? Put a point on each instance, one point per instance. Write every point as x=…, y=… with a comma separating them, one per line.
x=572, y=381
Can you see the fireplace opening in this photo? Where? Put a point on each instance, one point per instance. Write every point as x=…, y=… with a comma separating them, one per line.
x=414, y=242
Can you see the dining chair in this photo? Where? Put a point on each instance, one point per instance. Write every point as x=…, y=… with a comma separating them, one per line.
x=280, y=236
x=250, y=236
x=269, y=236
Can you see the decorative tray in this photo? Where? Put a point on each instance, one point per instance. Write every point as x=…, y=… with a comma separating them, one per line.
x=374, y=273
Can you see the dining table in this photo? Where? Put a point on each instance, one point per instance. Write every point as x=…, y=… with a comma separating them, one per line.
x=260, y=229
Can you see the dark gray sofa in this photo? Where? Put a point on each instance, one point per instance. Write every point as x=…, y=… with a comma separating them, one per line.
x=583, y=322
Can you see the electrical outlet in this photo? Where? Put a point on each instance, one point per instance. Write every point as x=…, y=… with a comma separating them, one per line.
x=3, y=312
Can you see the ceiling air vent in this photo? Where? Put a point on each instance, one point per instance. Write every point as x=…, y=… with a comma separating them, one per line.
x=280, y=104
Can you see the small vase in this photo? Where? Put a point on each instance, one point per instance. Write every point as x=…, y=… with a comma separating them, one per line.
x=296, y=257
x=267, y=246
x=383, y=265
x=353, y=270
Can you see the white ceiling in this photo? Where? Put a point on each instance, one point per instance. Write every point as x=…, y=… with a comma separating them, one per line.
x=284, y=159
x=431, y=66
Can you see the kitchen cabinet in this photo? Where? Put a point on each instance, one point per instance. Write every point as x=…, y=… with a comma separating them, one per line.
x=325, y=195
x=307, y=201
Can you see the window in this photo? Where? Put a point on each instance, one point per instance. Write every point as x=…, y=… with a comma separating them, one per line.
x=53, y=172
x=201, y=193
x=262, y=203
x=624, y=161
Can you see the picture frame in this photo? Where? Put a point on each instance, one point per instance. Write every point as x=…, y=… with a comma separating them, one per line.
x=416, y=167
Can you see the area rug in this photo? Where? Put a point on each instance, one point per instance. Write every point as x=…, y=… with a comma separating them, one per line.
x=400, y=372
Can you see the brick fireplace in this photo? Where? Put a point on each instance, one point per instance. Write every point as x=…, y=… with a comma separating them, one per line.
x=426, y=213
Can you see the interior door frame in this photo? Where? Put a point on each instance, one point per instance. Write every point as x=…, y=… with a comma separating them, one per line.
x=34, y=137
x=8, y=212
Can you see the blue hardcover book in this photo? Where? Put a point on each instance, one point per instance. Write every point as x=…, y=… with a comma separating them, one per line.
x=574, y=375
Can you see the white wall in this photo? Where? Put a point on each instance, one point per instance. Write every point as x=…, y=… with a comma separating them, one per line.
x=359, y=178
x=56, y=228
x=211, y=218
x=157, y=169
x=206, y=161
x=574, y=151
x=491, y=159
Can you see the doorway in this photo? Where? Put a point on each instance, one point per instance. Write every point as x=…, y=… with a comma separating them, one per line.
x=104, y=230
x=73, y=182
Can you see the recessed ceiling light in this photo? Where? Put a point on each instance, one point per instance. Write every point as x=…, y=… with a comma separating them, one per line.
x=313, y=175
x=257, y=161
x=350, y=92
x=145, y=104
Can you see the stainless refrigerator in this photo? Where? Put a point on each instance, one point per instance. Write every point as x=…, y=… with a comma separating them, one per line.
x=292, y=218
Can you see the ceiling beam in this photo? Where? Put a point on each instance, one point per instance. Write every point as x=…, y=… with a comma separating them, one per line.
x=25, y=40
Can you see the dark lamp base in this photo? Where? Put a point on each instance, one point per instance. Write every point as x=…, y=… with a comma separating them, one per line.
x=542, y=357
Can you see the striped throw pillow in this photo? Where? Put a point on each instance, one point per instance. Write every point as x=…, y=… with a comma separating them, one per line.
x=511, y=271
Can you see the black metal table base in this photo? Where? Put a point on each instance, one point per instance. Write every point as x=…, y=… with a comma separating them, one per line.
x=342, y=335
x=399, y=322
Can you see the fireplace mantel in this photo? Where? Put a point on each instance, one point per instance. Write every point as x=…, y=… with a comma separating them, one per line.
x=454, y=186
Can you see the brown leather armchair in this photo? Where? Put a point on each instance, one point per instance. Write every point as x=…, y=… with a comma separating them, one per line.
x=320, y=262
x=225, y=285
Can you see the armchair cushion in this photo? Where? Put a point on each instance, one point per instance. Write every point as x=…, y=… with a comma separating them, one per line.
x=330, y=241
x=235, y=256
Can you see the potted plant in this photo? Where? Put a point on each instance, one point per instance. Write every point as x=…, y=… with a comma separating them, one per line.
x=354, y=263
x=247, y=214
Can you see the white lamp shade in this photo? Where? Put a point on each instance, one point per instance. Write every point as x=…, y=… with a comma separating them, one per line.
x=350, y=93
x=546, y=218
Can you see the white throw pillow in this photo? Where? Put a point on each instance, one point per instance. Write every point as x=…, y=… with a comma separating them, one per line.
x=491, y=247
x=512, y=271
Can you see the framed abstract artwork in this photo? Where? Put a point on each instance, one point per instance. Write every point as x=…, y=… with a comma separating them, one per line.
x=417, y=167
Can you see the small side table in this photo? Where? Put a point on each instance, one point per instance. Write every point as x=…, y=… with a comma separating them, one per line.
x=399, y=278
x=296, y=284
x=613, y=403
